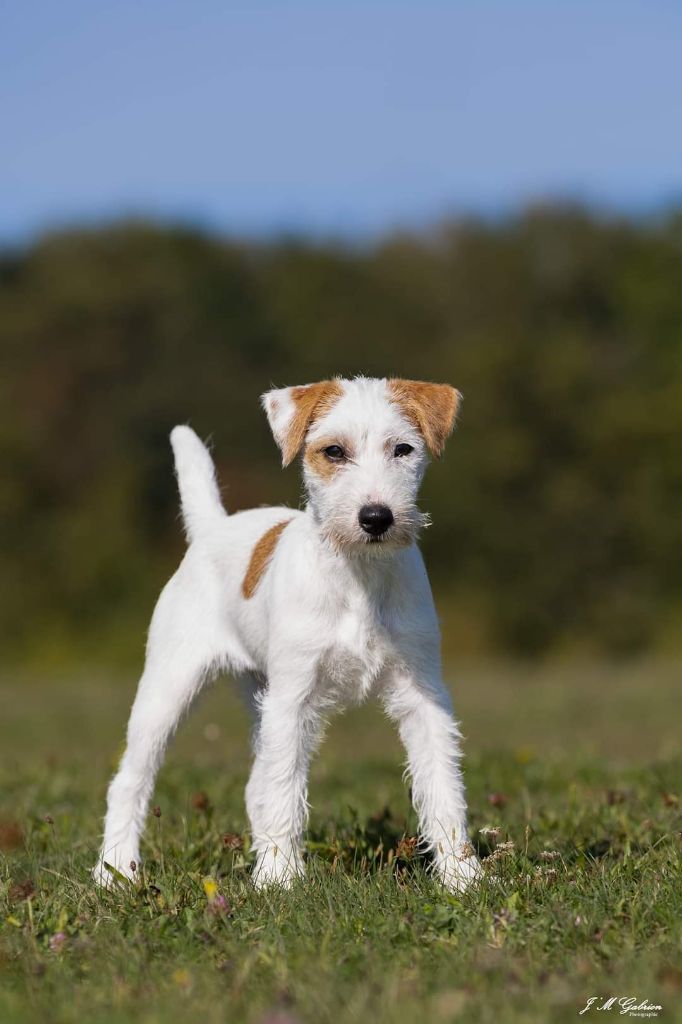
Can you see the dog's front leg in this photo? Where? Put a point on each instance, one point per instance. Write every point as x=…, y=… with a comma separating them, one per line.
x=421, y=707
x=276, y=794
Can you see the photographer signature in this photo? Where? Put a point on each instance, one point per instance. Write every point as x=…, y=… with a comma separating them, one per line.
x=623, y=1004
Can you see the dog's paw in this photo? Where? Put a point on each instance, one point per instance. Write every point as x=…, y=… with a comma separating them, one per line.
x=109, y=873
x=459, y=873
x=276, y=867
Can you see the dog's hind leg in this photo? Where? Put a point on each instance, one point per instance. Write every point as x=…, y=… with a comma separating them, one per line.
x=181, y=653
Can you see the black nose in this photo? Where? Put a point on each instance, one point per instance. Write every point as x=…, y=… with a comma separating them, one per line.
x=375, y=519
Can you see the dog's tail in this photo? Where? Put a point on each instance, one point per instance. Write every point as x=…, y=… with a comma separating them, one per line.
x=199, y=494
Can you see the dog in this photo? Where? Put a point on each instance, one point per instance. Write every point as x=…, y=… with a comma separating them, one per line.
x=310, y=610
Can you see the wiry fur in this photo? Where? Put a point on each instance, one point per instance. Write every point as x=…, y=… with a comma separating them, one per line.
x=334, y=618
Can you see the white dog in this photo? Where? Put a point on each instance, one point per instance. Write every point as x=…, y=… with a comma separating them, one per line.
x=311, y=610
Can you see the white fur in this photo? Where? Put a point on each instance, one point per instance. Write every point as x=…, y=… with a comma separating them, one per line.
x=334, y=620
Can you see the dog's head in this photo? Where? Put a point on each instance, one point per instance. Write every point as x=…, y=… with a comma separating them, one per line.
x=365, y=445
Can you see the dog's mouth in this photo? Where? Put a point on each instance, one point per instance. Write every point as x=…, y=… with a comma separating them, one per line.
x=401, y=534
x=395, y=537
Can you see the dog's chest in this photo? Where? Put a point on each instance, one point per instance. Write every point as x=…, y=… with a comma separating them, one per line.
x=358, y=650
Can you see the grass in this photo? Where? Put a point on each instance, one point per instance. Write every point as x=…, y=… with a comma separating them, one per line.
x=578, y=767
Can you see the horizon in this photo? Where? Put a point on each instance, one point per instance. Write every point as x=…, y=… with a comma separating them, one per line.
x=604, y=214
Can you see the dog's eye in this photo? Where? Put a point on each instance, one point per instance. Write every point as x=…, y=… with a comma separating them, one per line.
x=335, y=452
x=402, y=449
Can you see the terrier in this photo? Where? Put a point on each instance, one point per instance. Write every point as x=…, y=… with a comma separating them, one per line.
x=310, y=610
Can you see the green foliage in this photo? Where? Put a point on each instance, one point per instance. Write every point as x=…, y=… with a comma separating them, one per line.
x=556, y=509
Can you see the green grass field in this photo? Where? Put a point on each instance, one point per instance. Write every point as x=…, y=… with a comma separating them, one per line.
x=578, y=767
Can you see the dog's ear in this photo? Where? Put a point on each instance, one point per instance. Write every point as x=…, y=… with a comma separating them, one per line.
x=431, y=407
x=290, y=412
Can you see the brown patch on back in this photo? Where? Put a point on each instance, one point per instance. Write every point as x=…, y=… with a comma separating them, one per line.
x=260, y=558
x=431, y=407
x=311, y=402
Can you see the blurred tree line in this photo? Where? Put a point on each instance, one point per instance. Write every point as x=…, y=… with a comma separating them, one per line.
x=557, y=507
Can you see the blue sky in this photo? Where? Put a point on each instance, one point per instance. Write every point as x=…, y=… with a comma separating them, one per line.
x=334, y=117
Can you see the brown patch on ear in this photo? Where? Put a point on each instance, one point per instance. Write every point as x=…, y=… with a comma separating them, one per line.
x=260, y=558
x=311, y=402
x=431, y=407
